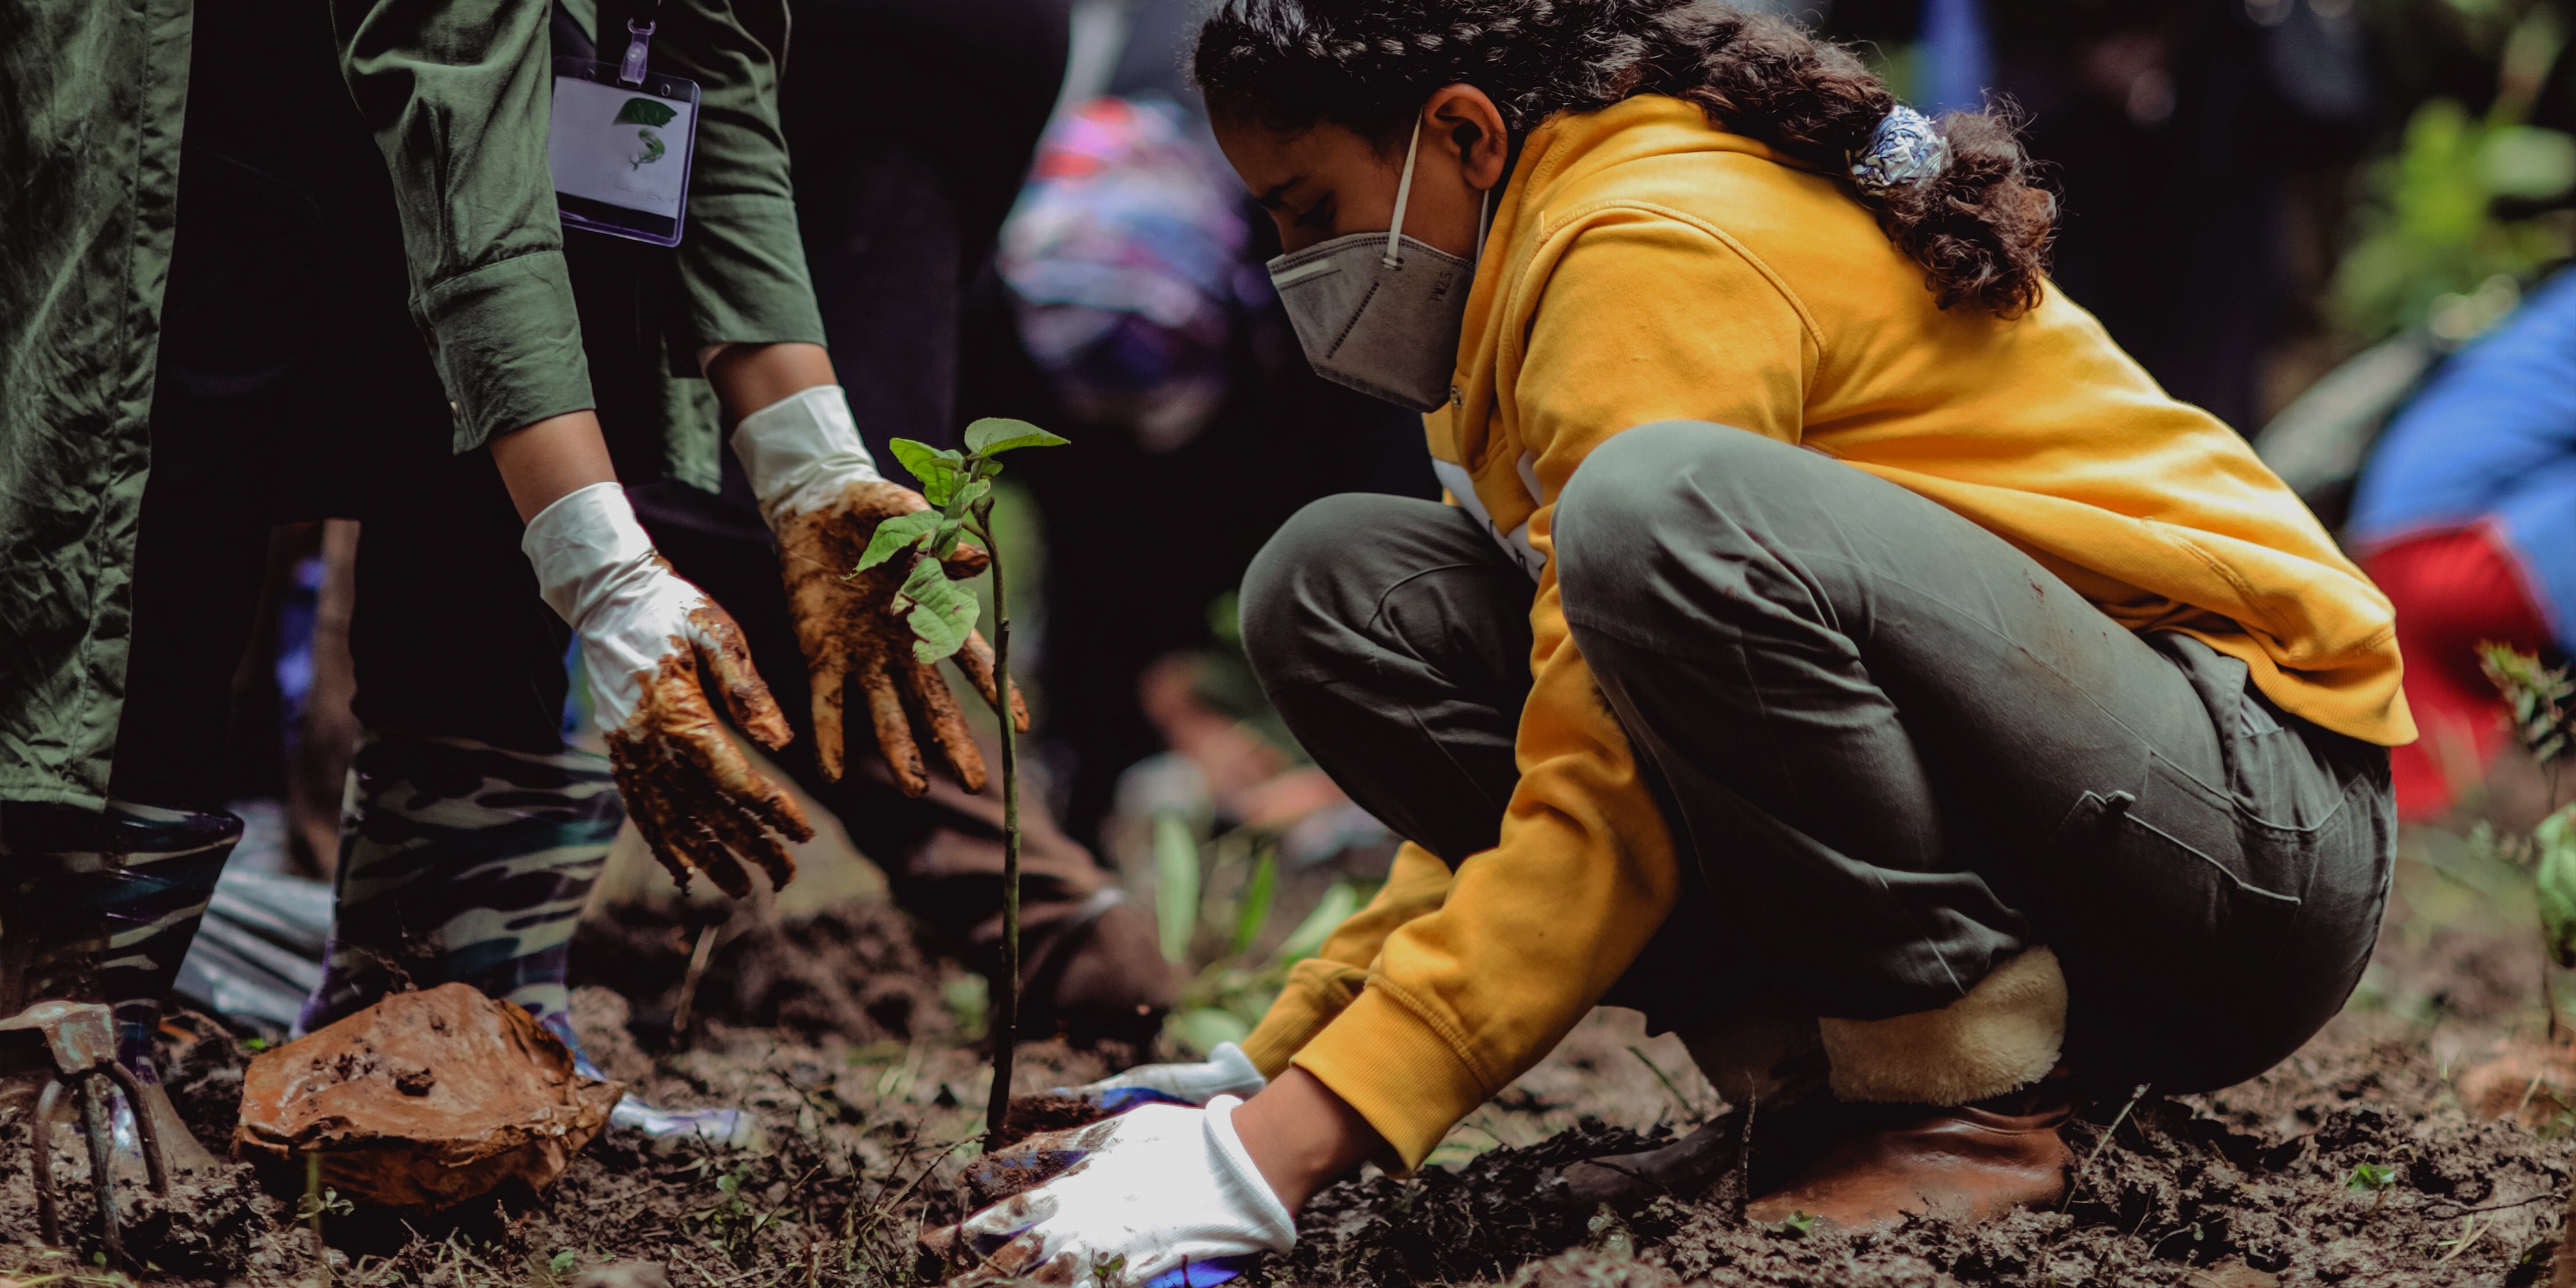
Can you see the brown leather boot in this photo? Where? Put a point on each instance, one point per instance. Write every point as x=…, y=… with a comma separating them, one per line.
x=1970, y=1163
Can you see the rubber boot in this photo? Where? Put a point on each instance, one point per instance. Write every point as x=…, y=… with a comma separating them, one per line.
x=103, y=907
x=467, y=863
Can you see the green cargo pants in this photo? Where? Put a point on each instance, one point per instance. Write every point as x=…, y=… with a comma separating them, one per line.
x=1893, y=750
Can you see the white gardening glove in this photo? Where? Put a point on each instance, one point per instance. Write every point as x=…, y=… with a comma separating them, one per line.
x=644, y=635
x=1226, y=1072
x=823, y=498
x=1163, y=1197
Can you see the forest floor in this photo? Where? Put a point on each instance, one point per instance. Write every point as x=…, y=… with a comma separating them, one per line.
x=2423, y=1139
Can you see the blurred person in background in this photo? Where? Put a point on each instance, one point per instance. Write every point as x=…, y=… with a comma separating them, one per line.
x=2466, y=516
x=1130, y=309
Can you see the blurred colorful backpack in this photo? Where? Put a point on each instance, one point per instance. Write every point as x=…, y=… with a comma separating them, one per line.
x=1125, y=262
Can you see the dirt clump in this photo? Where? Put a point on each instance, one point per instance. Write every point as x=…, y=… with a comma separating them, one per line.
x=424, y=1100
x=1048, y=1111
x=1479, y=1222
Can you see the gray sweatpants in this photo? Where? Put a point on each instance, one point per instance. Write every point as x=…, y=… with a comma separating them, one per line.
x=1892, y=749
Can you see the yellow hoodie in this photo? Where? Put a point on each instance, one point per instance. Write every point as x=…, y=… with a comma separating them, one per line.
x=1647, y=266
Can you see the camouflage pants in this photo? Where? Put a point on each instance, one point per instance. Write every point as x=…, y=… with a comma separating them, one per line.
x=465, y=863
x=102, y=907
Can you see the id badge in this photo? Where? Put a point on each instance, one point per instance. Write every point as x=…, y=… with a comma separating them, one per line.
x=620, y=150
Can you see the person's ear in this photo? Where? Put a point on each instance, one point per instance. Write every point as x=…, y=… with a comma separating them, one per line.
x=1463, y=115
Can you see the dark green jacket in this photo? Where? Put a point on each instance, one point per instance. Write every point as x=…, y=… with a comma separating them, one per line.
x=457, y=94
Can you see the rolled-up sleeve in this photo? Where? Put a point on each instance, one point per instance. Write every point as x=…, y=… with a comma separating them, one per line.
x=458, y=94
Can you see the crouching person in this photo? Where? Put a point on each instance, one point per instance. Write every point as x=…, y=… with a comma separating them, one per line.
x=1837, y=649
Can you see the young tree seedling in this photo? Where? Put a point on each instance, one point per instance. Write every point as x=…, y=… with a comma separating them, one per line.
x=2547, y=728
x=959, y=487
x=2544, y=725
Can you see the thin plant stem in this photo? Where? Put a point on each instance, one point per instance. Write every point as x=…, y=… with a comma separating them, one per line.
x=313, y=1207
x=1006, y=1008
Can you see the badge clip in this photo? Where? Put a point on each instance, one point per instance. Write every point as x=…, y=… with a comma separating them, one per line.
x=631, y=70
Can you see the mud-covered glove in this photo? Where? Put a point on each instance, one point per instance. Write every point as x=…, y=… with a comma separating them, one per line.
x=1163, y=1197
x=645, y=634
x=823, y=498
x=1226, y=1072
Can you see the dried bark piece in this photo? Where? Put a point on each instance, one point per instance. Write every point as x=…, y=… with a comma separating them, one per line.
x=424, y=1100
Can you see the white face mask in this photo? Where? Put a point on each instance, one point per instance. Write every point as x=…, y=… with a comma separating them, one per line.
x=1380, y=312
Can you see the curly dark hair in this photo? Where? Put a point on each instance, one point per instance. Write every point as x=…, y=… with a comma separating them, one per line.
x=1980, y=230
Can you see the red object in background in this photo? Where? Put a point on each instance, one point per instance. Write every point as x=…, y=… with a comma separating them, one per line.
x=2454, y=590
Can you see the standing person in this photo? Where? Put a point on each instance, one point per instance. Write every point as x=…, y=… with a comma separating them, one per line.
x=2020, y=735
x=125, y=837
x=465, y=848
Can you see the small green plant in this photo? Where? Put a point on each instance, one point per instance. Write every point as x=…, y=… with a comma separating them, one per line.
x=2370, y=1178
x=318, y=1201
x=1796, y=1225
x=959, y=487
x=2536, y=697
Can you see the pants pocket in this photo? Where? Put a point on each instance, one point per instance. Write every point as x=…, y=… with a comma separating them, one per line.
x=2185, y=933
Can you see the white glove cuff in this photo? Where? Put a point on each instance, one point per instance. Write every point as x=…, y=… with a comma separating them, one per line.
x=586, y=546
x=1238, y=1075
x=1238, y=1174
x=801, y=451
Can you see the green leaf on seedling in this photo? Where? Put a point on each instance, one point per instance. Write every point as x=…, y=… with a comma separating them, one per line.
x=563, y=1261
x=896, y=533
x=645, y=111
x=2555, y=882
x=2537, y=694
x=995, y=435
x=938, y=469
x=2370, y=1178
x=1252, y=911
x=941, y=614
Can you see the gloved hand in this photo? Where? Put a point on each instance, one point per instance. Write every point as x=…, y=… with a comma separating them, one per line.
x=823, y=498
x=1226, y=1072
x=644, y=635
x=1163, y=1197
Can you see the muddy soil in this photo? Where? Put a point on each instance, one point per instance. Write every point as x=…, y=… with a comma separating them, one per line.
x=2355, y=1162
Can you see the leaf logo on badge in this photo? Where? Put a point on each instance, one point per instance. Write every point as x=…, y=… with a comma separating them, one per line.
x=645, y=111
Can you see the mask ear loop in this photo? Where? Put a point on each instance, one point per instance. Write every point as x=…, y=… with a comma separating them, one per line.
x=1403, y=190
x=1484, y=221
